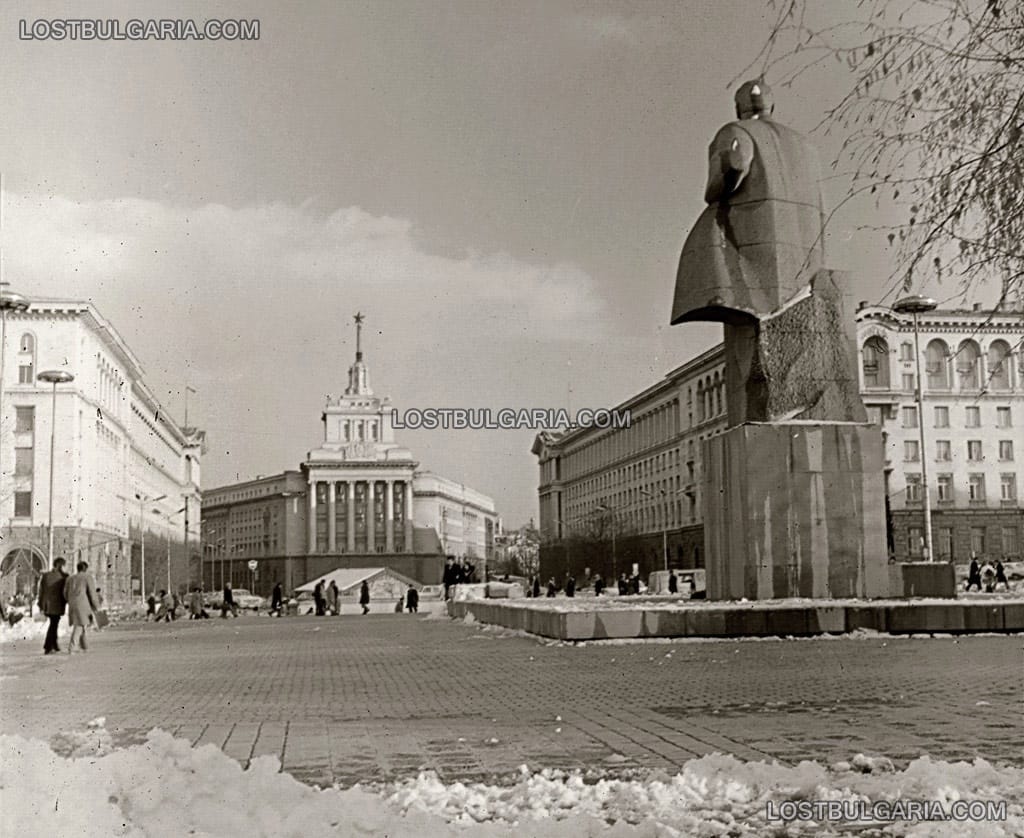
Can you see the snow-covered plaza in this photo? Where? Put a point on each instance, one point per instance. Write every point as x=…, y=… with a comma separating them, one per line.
x=423, y=725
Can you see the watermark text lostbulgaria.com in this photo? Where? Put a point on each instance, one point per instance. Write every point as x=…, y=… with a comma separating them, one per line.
x=164, y=29
x=885, y=811
x=508, y=418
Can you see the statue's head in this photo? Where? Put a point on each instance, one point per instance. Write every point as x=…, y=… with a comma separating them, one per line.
x=754, y=100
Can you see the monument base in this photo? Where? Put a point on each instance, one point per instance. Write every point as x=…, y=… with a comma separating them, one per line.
x=795, y=509
x=922, y=579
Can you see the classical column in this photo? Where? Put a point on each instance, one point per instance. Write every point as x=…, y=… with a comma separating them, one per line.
x=389, y=516
x=408, y=515
x=332, y=523
x=350, y=494
x=311, y=518
x=371, y=516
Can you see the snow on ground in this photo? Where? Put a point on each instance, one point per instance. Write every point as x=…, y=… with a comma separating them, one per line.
x=30, y=629
x=77, y=785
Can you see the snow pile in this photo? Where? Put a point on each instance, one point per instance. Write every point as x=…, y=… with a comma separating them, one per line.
x=29, y=629
x=165, y=787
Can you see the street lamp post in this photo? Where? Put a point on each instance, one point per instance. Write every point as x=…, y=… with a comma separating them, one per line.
x=53, y=377
x=142, y=540
x=9, y=301
x=664, y=528
x=914, y=306
x=168, y=517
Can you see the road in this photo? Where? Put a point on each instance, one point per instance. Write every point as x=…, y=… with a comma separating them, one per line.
x=367, y=699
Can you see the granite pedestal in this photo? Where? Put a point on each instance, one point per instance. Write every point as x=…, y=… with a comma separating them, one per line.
x=795, y=509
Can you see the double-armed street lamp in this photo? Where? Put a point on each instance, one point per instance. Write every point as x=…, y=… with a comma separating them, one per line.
x=915, y=305
x=53, y=377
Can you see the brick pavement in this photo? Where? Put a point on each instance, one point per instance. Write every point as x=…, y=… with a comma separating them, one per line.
x=368, y=699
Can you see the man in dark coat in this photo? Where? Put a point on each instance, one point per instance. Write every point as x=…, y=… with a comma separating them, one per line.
x=974, y=575
x=673, y=582
x=449, y=577
x=364, y=597
x=570, y=586
x=412, y=600
x=276, y=600
x=536, y=586
x=228, y=603
x=52, y=602
x=318, y=599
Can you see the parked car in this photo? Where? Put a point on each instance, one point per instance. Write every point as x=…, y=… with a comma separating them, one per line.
x=432, y=592
x=243, y=599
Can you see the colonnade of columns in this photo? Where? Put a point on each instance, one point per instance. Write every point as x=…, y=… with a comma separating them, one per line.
x=321, y=491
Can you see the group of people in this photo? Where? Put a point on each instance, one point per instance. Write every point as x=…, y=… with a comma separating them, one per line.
x=457, y=572
x=77, y=594
x=987, y=577
x=626, y=585
x=326, y=599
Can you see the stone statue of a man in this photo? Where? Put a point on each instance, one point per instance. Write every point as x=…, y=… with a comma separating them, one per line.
x=759, y=241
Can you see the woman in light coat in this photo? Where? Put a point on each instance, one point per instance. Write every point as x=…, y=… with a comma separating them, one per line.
x=83, y=602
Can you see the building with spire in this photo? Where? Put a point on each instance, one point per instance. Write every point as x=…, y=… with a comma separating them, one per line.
x=356, y=501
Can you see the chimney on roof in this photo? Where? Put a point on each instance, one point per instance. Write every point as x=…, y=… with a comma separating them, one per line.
x=863, y=304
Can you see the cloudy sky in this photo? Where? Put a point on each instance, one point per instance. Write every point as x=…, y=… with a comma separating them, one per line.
x=502, y=188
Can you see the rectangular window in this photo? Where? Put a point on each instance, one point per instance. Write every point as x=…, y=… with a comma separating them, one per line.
x=973, y=417
x=25, y=375
x=1003, y=418
x=976, y=487
x=22, y=504
x=1011, y=544
x=875, y=415
x=914, y=488
x=911, y=453
x=26, y=420
x=906, y=352
x=944, y=546
x=915, y=542
x=942, y=417
x=1006, y=450
x=23, y=461
x=1008, y=486
x=974, y=450
x=908, y=381
x=943, y=450
x=945, y=487
x=977, y=541
x=910, y=417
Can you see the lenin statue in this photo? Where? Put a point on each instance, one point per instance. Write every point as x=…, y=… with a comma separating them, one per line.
x=754, y=261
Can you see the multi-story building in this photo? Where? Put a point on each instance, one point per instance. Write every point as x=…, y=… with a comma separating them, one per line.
x=357, y=501
x=610, y=498
x=124, y=472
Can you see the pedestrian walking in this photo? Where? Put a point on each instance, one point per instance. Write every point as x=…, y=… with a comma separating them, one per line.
x=988, y=577
x=623, y=585
x=634, y=584
x=276, y=600
x=318, y=599
x=570, y=586
x=552, y=587
x=52, y=602
x=1001, y=575
x=166, y=607
x=598, y=585
x=332, y=597
x=536, y=586
x=449, y=577
x=80, y=592
x=228, y=602
x=364, y=597
x=412, y=600
x=195, y=605
x=973, y=574
x=673, y=582
x=150, y=607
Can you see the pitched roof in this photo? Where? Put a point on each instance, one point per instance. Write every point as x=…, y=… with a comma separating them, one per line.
x=347, y=578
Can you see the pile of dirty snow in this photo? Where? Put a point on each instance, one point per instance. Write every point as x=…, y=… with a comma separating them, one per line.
x=165, y=787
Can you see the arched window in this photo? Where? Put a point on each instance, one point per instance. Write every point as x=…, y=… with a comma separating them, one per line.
x=937, y=365
x=875, y=356
x=27, y=359
x=718, y=395
x=700, y=401
x=968, y=358
x=999, y=365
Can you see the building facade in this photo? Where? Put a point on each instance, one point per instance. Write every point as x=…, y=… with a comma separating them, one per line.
x=357, y=501
x=124, y=473
x=612, y=498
